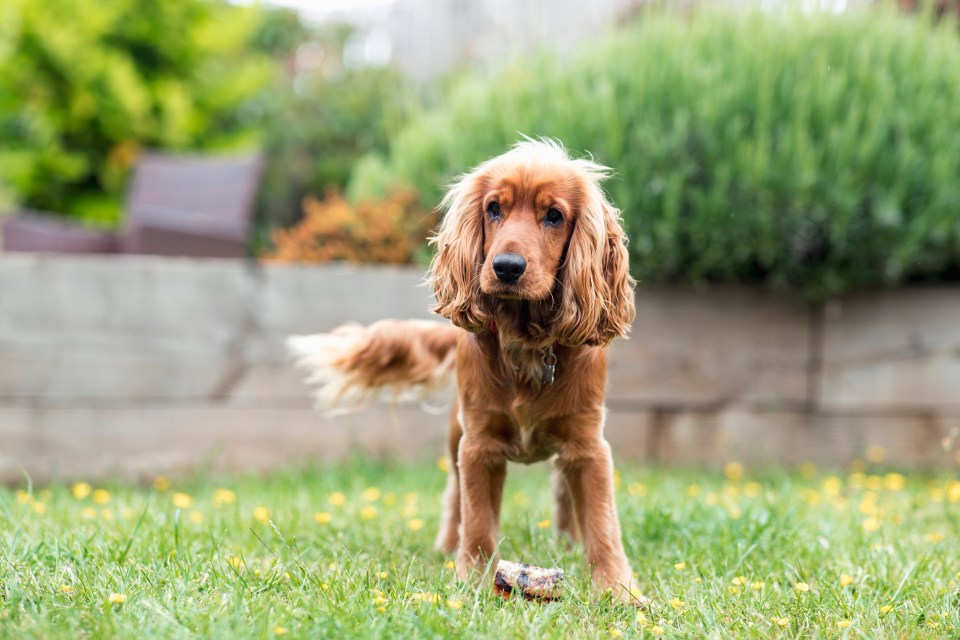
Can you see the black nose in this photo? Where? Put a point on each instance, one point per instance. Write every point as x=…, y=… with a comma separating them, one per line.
x=509, y=267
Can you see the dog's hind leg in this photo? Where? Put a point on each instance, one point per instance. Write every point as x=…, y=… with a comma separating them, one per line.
x=566, y=518
x=449, y=534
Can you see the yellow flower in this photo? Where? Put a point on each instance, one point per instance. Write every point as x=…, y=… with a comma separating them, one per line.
x=756, y=586
x=871, y=524
x=389, y=499
x=953, y=491
x=637, y=489
x=885, y=609
x=693, y=490
x=734, y=590
x=196, y=517
x=832, y=486
x=876, y=454
x=117, y=598
x=383, y=575
x=426, y=596
x=894, y=482
x=752, y=489
x=106, y=514
x=642, y=619
x=415, y=524
x=368, y=513
x=455, y=604
x=934, y=537
x=616, y=633
x=676, y=603
x=680, y=566
x=181, y=500
x=280, y=631
x=322, y=517
x=65, y=588
x=81, y=490
x=235, y=561
x=782, y=621
x=846, y=580
x=443, y=464
x=24, y=498
x=811, y=497
x=101, y=496
x=933, y=624
x=657, y=630
x=337, y=499
x=223, y=496
x=843, y=624
x=733, y=471
x=261, y=514
x=371, y=494
x=449, y=565
x=89, y=512
x=161, y=483
x=740, y=580
x=380, y=599
x=543, y=524
x=39, y=507
x=802, y=587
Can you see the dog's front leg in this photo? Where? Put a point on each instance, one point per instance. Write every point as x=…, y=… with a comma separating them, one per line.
x=587, y=466
x=483, y=470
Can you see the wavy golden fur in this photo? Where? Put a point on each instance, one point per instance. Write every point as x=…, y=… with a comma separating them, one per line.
x=531, y=265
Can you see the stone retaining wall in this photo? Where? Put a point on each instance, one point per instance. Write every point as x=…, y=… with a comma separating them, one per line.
x=135, y=366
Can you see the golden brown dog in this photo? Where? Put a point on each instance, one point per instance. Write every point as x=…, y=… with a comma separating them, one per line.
x=531, y=268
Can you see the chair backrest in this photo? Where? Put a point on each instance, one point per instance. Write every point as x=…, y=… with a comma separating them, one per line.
x=196, y=196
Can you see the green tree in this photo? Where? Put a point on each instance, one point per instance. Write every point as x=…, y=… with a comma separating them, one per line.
x=85, y=85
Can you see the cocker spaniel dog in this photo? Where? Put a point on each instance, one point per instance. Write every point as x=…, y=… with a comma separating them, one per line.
x=531, y=269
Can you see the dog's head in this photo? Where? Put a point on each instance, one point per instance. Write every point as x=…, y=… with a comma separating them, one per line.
x=534, y=225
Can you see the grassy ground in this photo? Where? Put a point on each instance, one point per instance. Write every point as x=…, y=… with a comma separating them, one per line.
x=346, y=552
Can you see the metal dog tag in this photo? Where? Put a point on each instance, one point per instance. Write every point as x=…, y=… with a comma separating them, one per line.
x=549, y=362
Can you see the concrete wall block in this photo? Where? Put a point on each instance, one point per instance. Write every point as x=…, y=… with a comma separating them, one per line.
x=714, y=345
x=51, y=442
x=126, y=294
x=303, y=299
x=771, y=438
x=114, y=367
x=630, y=434
x=897, y=350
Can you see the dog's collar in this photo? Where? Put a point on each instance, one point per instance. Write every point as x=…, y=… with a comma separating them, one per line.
x=547, y=358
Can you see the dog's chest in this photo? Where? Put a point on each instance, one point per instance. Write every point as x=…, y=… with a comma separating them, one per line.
x=529, y=440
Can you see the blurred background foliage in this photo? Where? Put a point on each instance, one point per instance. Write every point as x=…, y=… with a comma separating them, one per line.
x=796, y=149
x=85, y=85
x=808, y=150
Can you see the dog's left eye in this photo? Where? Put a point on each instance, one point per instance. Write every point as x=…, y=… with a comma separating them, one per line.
x=554, y=217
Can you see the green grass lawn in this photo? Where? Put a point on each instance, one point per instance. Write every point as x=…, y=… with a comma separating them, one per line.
x=346, y=552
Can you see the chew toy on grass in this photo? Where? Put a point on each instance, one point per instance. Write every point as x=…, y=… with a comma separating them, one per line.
x=533, y=583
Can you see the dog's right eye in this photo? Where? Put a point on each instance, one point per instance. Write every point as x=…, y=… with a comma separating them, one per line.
x=493, y=210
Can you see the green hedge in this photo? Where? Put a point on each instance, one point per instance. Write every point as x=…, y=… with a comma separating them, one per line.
x=85, y=84
x=813, y=151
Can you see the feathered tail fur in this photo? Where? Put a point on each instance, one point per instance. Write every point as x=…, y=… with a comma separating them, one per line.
x=406, y=360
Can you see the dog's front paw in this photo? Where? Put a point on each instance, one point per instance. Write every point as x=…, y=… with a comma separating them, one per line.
x=623, y=587
x=475, y=569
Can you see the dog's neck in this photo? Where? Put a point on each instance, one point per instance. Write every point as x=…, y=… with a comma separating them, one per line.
x=520, y=334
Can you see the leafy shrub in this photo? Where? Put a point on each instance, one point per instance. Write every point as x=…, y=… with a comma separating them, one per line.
x=84, y=85
x=808, y=150
x=317, y=132
x=388, y=231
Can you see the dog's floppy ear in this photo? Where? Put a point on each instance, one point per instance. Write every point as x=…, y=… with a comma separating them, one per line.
x=597, y=290
x=455, y=270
